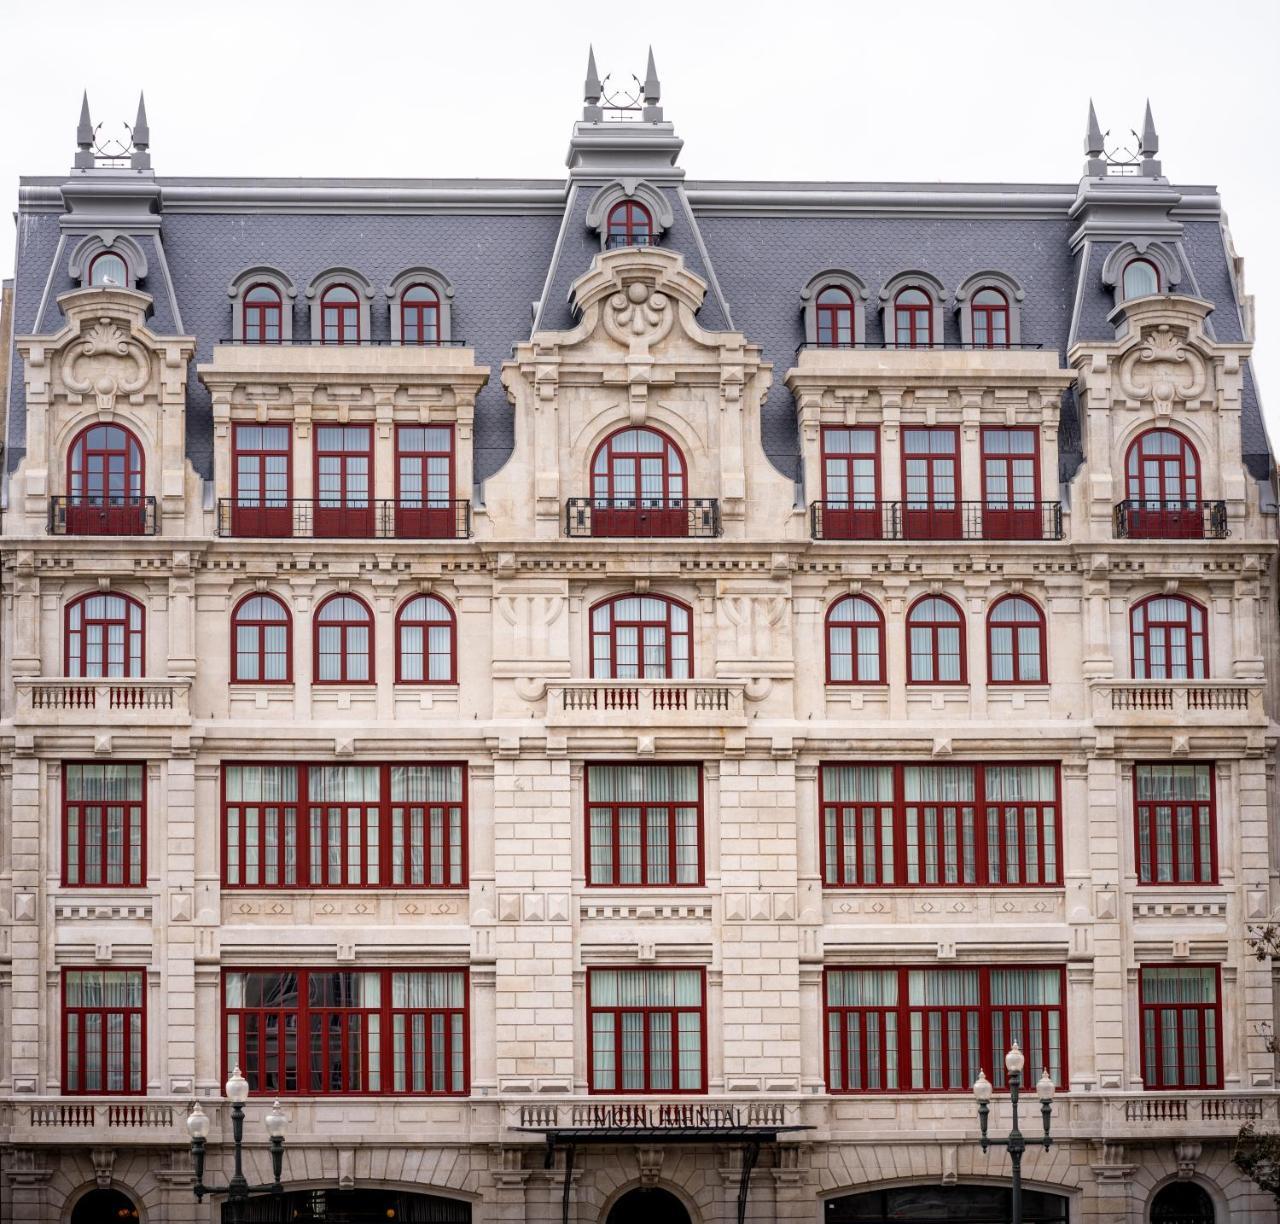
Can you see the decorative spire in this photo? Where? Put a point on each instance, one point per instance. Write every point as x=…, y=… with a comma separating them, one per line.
x=141, y=158
x=652, y=92
x=1093, y=136
x=1150, y=145
x=591, y=90
x=84, y=137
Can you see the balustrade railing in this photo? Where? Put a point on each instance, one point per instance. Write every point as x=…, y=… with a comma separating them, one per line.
x=1177, y=698
x=161, y=699
x=91, y=515
x=1142, y=519
x=646, y=697
x=966, y=520
x=643, y=517
x=311, y=518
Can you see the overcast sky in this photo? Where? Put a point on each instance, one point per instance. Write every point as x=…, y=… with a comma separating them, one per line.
x=861, y=90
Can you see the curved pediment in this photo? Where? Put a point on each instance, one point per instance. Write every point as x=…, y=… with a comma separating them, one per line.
x=637, y=292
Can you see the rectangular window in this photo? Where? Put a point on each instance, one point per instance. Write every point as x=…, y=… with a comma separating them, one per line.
x=343, y=475
x=104, y=825
x=318, y=1032
x=932, y=1030
x=931, y=483
x=260, y=480
x=1176, y=824
x=939, y=826
x=424, y=481
x=644, y=825
x=1010, y=484
x=648, y=1030
x=850, y=484
x=1181, y=1026
x=344, y=826
x=103, y=1031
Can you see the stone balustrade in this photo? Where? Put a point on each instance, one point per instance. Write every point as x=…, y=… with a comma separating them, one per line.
x=80, y=702
x=615, y=703
x=1177, y=702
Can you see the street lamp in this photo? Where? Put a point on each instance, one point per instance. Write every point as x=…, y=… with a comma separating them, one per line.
x=1016, y=1142
x=237, y=1189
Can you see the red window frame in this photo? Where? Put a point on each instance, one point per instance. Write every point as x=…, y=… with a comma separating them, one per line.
x=419, y=315
x=1191, y=1024
x=969, y=1036
x=834, y=308
x=835, y=623
x=649, y=848
x=989, y=320
x=93, y=264
x=665, y=633
x=1010, y=483
x=106, y=474
x=74, y=1018
x=1027, y=664
x=133, y=638
x=1124, y=277
x=427, y=655
x=931, y=483
x=650, y=1012
x=639, y=492
x=1188, y=826
x=884, y=840
x=934, y=625
x=343, y=481
x=630, y=222
x=425, y=482
x=912, y=320
x=851, y=472
x=88, y=823
x=340, y=318
x=259, y=625
x=262, y=317
x=1163, y=487
x=260, y=1028
x=1174, y=636
x=261, y=502
x=347, y=627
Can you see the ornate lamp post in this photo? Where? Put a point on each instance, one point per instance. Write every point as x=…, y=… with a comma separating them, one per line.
x=1016, y=1142
x=237, y=1189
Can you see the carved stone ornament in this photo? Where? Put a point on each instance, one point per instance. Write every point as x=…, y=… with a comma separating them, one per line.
x=638, y=312
x=1162, y=370
x=106, y=361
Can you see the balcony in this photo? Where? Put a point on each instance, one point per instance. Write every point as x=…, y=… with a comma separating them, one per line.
x=970, y=520
x=309, y=518
x=616, y=242
x=648, y=518
x=633, y=703
x=81, y=702
x=1168, y=703
x=1171, y=520
x=102, y=516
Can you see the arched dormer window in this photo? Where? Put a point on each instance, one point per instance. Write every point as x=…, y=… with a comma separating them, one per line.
x=1141, y=279
x=1141, y=268
x=1016, y=642
x=638, y=486
x=261, y=641
x=630, y=224
x=421, y=305
x=1168, y=640
x=340, y=300
x=426, y=642
x=343, y=641
x=108, y=271
x=629, y=212
x=990, y=319
x=834, y=310
x=1162, y=487
x=105, y=637
x=419, y=315
x=107, y=260
x=935, y=642
x=105, y=479
x=990, y=308
x=911, y=310
x=262, y=306
x=855, y=642
x=262, y=315
x=641, y=637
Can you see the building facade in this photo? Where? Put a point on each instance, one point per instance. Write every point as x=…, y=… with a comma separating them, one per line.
x=616, y=696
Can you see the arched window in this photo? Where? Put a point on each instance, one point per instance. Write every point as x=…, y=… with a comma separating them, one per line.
x=833, y=310
x=105, y=637
x=419, y=315
x=913, y=319
x=935, y=642
x=1167, y=633
x=1182, y=1202
x=261, y=649
x=1141, y=279
x=108, y=271
x=426, y=642
x=1162, y=484
x=262, y=312
x=340, y=315
x=344, y=641
x=855, y=642
x=638, y=486
x=629, y=225
x=641, y=637
x=1015, y=642
x=990, y=319
x=104, y=483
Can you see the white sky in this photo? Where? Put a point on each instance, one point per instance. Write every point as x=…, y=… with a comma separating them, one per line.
x=977, y=90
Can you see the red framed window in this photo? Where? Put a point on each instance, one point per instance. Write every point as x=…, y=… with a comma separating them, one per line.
x=935, y=642
x=933, y=1030
x=940, y=826
x=629, y=225
x=641, y=637
x=344, y=826
x=261, y=480
x=638, y=486
x=1175, y=823
x=1162, y=484
x=262, y=641
x=850, y=484
x=340, y=315
x=931, y=483
x=322, y=1032
x=833, y=308
x=913, y=319
x=104, y=1032
x=262, y=310
x=426, y=642
x=105, y=637
x=107, y=270
x=344, y=463
x=1016, y=642
x=1010, y=484
x=105, y=478
x=419, y=315
x=104, y=815
x=344, y=641
x=855, y=642
x=648, y=1030
x=990, y=318
x=425, y=482
x=644, y=825
x=1181, y=1026
x=1167, y=635
x=1141, y=279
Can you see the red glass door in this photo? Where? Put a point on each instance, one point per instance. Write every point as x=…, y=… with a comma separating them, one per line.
x=260, y=481
x=424, y=482
x=931, y=484
x=638, y=487
x=850, y=484
x=1010, y=485
x=344, y=463
x=1163, y=474
x=104, y=483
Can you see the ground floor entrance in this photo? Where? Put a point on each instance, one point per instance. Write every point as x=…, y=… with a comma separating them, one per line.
x=349, y=1207
x=647, y=1205
x=939, y=1204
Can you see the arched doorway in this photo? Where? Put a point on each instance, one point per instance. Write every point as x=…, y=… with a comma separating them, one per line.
x=936, y=1204
x=350, y=1207
x=1182, y=1203
x=648, y=1205
x=104, y=1207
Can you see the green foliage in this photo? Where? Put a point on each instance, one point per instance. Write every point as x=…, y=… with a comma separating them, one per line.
x=1257, y=1156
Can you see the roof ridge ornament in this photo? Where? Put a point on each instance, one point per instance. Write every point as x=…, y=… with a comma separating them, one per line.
x=652, y=92
x=98, y=149
x=1136, y=160
x=84, y=136
x=591, y=90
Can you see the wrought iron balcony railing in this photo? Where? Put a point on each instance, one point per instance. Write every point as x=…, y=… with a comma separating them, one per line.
x=321, y=342
x=937, y=345
x=643, y=518
x=102, y=515
x=871, y=520
x=310, y=518
x=1143, y=519
x=616, y=242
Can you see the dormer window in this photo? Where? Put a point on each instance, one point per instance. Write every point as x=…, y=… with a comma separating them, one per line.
x=834, y=316
x=419, y=315
x=108, y=271
x=990, y=319
x=1141, y=279
x=913, y=319
x=262, y=315
x=630, y=224
x=340, y=315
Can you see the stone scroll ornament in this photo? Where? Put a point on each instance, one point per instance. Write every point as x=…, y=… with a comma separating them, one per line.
x=107, y=362
x=1163, y=369
x=638, y=315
